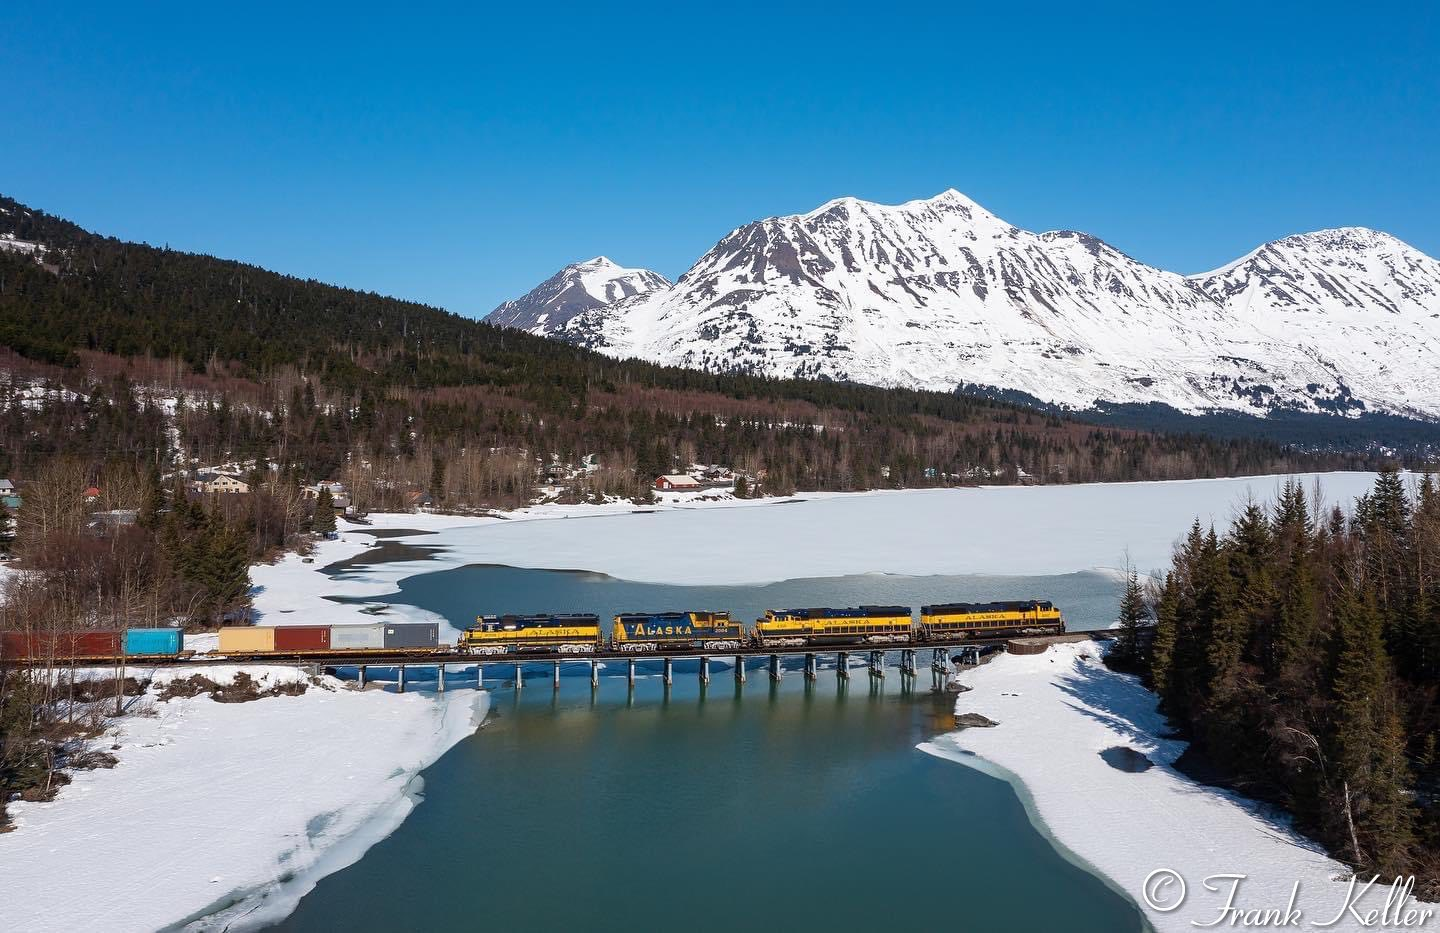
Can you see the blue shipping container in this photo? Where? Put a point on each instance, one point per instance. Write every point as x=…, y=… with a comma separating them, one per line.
x=153, y=640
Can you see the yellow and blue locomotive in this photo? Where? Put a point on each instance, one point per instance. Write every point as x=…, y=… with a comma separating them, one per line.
x=658, y=631
x=964, y=620
x=566, y=633
x=870, y=625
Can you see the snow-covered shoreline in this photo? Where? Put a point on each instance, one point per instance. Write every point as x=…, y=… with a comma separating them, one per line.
x=223, y=815
x=1057, y=712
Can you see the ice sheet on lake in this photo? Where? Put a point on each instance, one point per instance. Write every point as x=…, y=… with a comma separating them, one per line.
x=1014, y=530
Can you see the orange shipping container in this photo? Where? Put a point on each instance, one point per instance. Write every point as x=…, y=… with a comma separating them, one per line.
x=247, y=639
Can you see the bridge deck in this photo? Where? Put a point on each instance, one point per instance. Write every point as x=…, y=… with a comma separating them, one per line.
x=424, y=659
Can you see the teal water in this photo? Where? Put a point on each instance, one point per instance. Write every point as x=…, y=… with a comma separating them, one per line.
x=801, y=806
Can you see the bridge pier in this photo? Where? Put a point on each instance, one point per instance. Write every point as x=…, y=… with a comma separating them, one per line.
x=555, y=677
x=400, y=685
x=842, y=665
x=774, y=667
x=594, y=673
x=361, y=678
x=907, y=662
x=877, y=664
x=440, y=678
x=630, y=673
x=479, y=676
x=938, y=661
x=519, y=678
x=739, y=669
x=704, y=670
x=811, y=671
x=669, y=674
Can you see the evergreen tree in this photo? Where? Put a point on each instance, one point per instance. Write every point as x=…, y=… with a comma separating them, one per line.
x=1134, y=613
x=437, y=477
x=226, y=558
x=153, y=501
x=1162, y=647
x=323, y=521
x=1372, y=780
x=742, y=488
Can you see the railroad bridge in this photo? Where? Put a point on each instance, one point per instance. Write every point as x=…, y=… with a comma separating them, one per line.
x=875, y=657
x=443, y=660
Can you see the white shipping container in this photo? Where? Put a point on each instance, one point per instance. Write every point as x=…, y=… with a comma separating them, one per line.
x=355, y=637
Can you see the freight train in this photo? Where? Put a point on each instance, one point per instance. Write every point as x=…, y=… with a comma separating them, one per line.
x=652, y=632
x=566, y=633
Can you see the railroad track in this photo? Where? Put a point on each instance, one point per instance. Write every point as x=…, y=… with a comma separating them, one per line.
x=335, y=659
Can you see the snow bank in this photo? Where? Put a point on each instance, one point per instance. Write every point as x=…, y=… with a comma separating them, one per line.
x=225, y=815
x=1058, y=712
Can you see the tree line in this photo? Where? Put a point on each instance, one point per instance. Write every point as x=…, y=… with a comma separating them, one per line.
x=1300, y=651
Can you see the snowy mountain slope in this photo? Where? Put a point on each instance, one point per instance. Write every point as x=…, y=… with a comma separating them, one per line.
x=578, y=287
x=1362, y=301
x=939, y=292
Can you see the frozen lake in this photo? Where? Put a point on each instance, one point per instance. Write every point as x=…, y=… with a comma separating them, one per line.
x=794, y=806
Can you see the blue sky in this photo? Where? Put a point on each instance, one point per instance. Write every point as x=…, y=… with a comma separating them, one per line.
x=461, y=157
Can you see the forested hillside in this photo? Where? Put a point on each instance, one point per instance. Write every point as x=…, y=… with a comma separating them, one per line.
x=1300, y=649
x=322, y=379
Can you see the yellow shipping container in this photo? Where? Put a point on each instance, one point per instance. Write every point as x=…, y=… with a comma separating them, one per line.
x=247, y=639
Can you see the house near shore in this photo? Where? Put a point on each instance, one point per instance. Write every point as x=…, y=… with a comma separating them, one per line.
x=676, y=482
x=221, y=483
x=339, y=496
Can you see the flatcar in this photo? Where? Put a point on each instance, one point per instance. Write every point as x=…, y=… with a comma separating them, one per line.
x=658, y=631
x=566, y=633
x=869, y=625
x=998, y=619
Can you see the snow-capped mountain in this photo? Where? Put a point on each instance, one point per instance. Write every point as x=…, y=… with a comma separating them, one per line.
x=581, y=286
x=938, y=293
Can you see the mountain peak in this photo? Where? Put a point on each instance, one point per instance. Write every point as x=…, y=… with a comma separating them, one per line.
x=579, y=287
x=949, y=198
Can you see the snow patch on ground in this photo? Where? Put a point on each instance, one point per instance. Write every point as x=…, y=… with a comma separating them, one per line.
x=223, y=815
x=1057, y=712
